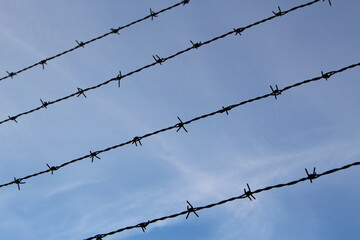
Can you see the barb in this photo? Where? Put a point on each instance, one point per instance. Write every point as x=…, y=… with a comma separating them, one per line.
x=196, y=45
x=276, y=91
x=190, y=209
x=187, y=1
x=18, y=182
x=44, y=103
x=12, y=119
x=152, y=14
x=248, y=193
x=10, y=74
x=43, y=63
x=81, y=92
x=238, y=31
x=143, y=225
x=278, y=14
x=52, y=169
x=99, y=237
x=311, y=176
x=181, y=125
x=226, y=110
x=82, y=44
x=326, y=76
x=119, y=77
x=137, y=140
x=93, y=155
x=159, y=60
x=243, y=196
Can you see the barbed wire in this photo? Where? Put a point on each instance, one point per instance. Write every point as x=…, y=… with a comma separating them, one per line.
x=275, y=92
x=157, y=60
x=247, y=194
x=81, y=44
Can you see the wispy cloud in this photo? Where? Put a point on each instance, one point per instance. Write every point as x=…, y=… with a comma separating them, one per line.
x=68, y=187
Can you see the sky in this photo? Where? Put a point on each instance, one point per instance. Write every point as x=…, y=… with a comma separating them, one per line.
x=263, y=143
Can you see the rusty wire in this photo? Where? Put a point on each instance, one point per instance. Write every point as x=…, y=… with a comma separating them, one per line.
x=181, y=124
x=81, y=44
x=157, y=60
x=247, y=194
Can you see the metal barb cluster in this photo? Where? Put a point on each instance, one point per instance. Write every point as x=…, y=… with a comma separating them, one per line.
x=43, y=63
x=196, y=45
x=185, y=2
x=275, y=92
x=152, y=14
x=93, y=155
x=311, y=176
x=82, y=44
x=248, y=194
x=180, y=125
x=238, y=31
x=13, y=119
x=115, y=30
x=137, y=140
x=326, y=76
x=159, y=60
x=143, y=225
x=226, y=110
x=11, y=74
x=44, y=103
x=81, y=92
x=18, y=182
x=99, y=237
x=119, y=77
x=279, y=13
x=52, y=168
x=190, y=209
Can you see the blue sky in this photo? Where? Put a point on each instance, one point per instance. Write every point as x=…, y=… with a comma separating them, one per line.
x=262, y=143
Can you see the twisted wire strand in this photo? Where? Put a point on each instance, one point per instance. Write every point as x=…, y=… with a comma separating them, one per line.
x=181, y=125
x=247, y=194
x=157, y=61
x=82, y=44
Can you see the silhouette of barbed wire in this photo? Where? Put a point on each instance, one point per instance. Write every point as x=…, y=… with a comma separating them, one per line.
x=81, y=44
x=247, y=194
x=157, y=60
x=181, y=124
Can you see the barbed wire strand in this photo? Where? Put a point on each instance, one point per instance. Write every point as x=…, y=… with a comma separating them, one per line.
x=81, y=44
x=181, y=125
x=158, y=60
x=247, y=194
